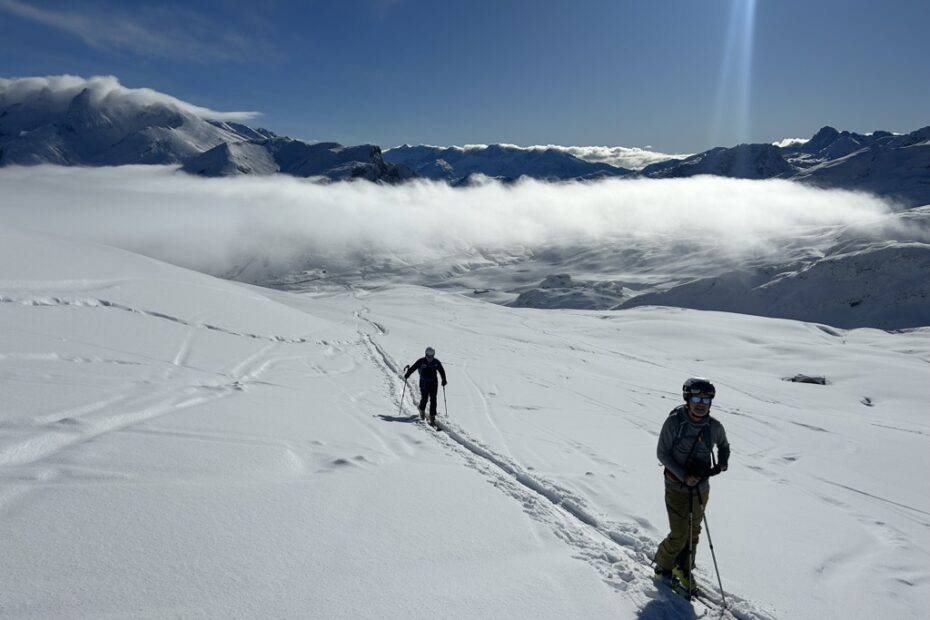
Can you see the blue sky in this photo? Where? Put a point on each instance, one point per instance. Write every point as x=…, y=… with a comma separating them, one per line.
x=677, y=75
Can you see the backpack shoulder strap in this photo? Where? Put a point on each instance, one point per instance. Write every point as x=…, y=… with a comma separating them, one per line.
x=681, y=427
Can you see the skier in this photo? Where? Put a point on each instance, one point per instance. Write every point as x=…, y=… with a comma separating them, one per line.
x=686, y=449
x=428, y=366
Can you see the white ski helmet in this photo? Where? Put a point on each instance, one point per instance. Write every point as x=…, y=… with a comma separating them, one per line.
x=430, y=352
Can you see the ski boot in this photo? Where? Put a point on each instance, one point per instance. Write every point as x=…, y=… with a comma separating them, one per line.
x=688, y=583
x=664, y=574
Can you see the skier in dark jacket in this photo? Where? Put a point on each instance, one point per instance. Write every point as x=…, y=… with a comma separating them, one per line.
x=428, y=366
x=685, y=447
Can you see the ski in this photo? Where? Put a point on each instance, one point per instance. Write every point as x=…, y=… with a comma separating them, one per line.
x=674, y=585
x=697, y=598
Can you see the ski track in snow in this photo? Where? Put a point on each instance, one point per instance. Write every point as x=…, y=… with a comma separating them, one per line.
x=66, y=428
x=94, y=302
x=620, y=553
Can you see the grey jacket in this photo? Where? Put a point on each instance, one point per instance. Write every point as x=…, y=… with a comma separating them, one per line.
x=679, y=435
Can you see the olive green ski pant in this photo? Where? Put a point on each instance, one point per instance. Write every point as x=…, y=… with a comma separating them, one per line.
x=674, y=549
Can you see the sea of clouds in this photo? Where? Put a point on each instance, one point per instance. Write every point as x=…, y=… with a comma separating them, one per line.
x=214, y=225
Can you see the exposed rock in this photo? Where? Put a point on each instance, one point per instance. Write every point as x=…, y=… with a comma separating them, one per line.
x=799, y=378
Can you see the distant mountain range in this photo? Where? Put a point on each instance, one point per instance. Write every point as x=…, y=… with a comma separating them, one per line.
x=276, y=154
x=92, y=127
x=895, y=166
x=86, y=127
x=507, y=163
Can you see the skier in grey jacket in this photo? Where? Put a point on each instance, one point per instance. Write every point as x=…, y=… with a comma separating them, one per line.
x=685, y=448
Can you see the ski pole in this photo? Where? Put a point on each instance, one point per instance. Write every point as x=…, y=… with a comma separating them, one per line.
x=723, y=596
x=402, y=394
x=445, y=405
x=691, y=540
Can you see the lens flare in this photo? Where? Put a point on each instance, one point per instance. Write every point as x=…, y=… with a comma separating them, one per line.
x=732, y=123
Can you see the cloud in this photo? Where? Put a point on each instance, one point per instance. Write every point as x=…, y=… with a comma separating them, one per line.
x=791, y=142
x=158, y=32
x=622, y=156
x=57, y=91
x=285, y=223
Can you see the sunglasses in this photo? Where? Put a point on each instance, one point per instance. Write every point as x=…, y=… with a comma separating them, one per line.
x=702, y=399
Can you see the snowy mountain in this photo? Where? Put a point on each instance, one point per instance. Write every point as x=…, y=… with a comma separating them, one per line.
x=886, y=164
x=67, y=120
x=98, y=122
x=505, y=162
x=294, y=157
x=176, y=445
x=894, y=166
x=828, y=143
x=746, y=161
x=70, y=121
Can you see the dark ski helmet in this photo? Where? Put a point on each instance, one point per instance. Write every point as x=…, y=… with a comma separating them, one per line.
x=698, y=386
x=430, y=352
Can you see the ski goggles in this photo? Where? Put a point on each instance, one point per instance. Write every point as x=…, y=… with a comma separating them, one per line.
x=704, y=400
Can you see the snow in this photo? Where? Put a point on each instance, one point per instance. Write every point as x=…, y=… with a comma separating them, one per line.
x=176, y=445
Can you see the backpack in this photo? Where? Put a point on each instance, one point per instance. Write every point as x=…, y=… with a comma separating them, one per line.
x=705, y=436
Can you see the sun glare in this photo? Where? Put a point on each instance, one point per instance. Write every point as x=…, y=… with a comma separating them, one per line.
x=732, y=123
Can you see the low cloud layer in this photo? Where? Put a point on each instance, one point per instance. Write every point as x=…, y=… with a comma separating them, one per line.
x=57, y=91
x=219, y=225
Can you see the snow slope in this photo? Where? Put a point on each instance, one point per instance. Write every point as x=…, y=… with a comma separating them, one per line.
x=176, y=445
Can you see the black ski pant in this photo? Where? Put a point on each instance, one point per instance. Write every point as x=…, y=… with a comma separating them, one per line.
x=428, y=390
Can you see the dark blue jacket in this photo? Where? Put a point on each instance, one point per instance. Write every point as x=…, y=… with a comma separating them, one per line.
x=427, y=369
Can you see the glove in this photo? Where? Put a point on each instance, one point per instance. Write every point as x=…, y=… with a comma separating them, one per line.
x=716, y=469
x=444, y=382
